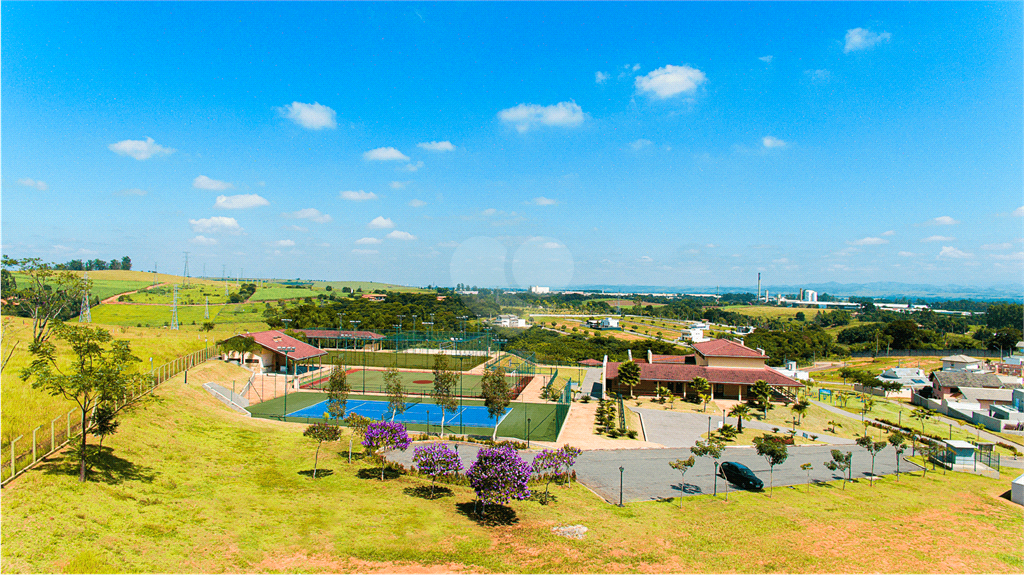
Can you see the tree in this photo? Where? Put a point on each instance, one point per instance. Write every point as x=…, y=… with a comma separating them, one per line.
x=436, y=460
x=8, y=285
x=702, y=387
x=51, y=295
x=807, y=467
x=444, y=387
x=739, y=411
x=774, y=452
x=396, y=393
x=873, y=447
x=126, y=263
x=712, y=448
x=104, y=422
x=833, y=424
x=97, y=374
x=8, y=342
x=497, y=393
x=762, y=393
x=321, y=432
x=550, y=463
x=921, y=414
x=207, y=326
x=841, y=462
x=629, y=376
x=338, y=390
x=801, y=408
x=383, y=436
x=682, y=466
x=498, y=475
x=898, y=442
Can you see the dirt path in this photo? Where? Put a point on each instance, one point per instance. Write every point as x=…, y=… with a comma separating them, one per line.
x=113, y=299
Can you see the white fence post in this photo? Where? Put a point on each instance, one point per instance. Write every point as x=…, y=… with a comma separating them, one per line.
x=13, y=471
x=34, y=453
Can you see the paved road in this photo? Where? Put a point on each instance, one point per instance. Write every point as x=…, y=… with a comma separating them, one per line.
x=674, y=429
x=647, y=475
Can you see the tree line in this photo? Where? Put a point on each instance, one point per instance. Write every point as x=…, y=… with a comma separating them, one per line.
x=406, y=309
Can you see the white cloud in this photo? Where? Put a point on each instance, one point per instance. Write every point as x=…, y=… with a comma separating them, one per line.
x=551, y=245
x=671, y=80
x=397, y=235
x=357, y=196
x=417, y=203
x=770, y=142
x=1019, y=212
x=600, y=77
x=646, y=259
x=385, y=155
x=240, y=202
x=140, y=149
x=1018, y=256
x=639, y=144
x=380, y=223
x=862, y=39
x=205, y=183
x=868, y=242
x=412, y=167
x=938, y=239
x=542, y=201
x=131, y=192
x=30, y=183
x=368, y=241
x=215, y=224
x=489, y=212
x=295, y=228
x=943, y=221
x=767, y=59
x=906, y=254
x=444, y=146
x=311, y=214
x=889, y=233
x=1003, y=246
x=310, y=116
x=448, y=245
x=284, y=243
x=364, y=252
x=203, y=241
x=818, y=75
x=951, y=252
x=527, y=116
x=781, y=261
x=399, y=185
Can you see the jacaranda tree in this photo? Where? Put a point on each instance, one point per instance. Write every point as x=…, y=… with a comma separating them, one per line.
x=555, y=463
x=437, y=460
x=499, y=475
x=383, y=436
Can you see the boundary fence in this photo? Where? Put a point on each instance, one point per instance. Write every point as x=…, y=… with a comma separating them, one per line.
x=926, y=353
x=14, y=462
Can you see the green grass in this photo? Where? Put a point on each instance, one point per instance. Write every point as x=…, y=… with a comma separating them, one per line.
x=190, y=486
x=400, y=360
x=372, y=381
x=271, y=292
x=160, y=315
x=192, y=294
x=101, y=287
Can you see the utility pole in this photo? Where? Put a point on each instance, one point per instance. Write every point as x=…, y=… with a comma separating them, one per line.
x=186, y=268
x=85, y=315
x=174, y=310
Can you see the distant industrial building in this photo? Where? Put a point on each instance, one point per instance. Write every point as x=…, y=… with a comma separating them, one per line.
x=539, y=289
x=509, y=321
x=603, y=324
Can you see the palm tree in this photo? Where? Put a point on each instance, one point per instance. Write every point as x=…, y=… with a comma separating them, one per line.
x=739, y=411
x=800, y=408
x=763, y=393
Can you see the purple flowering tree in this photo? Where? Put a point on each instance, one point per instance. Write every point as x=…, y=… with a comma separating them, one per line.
x=437, y=460
x=499, y=475
x=556, y=464
x=383, y=436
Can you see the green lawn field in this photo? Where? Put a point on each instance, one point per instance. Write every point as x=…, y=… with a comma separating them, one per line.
x=101, y=287
x=191, y=294
x=160, y=315
x=400, y=360
x=189, y=486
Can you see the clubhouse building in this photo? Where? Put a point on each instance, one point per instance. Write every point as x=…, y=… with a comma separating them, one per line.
x=730, y=367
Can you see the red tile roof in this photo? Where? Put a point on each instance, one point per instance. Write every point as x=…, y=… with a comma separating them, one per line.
x=336, y=334
x=684, y=372
x=274, y=339
x=590, y=362
x=725, y=348
x=670, y=358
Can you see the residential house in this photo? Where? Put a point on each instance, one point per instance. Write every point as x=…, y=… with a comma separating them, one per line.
x=960, y=363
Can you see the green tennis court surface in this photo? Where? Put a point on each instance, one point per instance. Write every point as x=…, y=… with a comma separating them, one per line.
x=372, y=381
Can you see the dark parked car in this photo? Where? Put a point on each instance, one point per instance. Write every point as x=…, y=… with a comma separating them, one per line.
x=739, y=474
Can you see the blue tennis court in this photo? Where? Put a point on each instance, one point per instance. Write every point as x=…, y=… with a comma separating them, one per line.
x=471, y=415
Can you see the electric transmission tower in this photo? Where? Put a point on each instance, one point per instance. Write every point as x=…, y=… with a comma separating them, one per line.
x=207, y=314
x=174, y=310
x=186, y=268
x=86, y=314
x=155, y=281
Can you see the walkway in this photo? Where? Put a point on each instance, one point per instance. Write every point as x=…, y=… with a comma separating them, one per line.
x=673, y=429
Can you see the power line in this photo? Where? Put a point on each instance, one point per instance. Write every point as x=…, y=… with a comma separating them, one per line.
x=85, y=316
x=186, y=268
x=174, y=310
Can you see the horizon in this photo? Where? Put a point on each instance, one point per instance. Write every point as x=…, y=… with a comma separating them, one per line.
x=671, y=145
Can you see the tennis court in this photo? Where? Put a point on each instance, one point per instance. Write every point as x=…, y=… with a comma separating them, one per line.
x=415, y=383
x=425, y=413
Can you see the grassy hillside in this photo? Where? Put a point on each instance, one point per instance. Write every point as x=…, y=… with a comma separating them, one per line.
x=191, y=486
x=190, y=316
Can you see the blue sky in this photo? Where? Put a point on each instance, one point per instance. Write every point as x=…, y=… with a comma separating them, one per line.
x=674, y=144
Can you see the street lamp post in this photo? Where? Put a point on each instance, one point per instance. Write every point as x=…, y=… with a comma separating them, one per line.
x=621, y=470
x=528, y=432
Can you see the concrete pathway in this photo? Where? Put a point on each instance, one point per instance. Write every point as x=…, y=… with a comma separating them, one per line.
x=673, y=429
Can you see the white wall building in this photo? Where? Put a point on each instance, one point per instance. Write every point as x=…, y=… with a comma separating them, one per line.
x=539, y=289
x=509, y=321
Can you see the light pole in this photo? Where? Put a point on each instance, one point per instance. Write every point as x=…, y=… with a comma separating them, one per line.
x=621, y=470
x=528, y=432
x=285, y=350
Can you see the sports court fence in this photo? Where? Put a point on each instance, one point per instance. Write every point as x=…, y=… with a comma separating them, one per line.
x=401, y=359
x=21, y=454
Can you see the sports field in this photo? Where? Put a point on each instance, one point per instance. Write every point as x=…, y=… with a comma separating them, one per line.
x=415, y=383
x=401, y=360
x=415, y=412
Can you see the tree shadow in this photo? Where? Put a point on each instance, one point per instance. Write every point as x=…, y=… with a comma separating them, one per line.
x=542, y=498
x=689, y=489
x=424, y=492
x=492, y=515
x=104, y=467
x=320, y=473
x=374, y=473
x=824, y=484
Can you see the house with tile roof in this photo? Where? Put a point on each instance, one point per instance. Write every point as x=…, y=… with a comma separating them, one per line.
x=729, y=366
x=343, y=339
x=273, y=358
